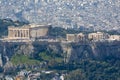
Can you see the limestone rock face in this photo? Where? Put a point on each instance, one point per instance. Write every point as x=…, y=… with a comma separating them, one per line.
x=70, y=51
x=97, y=50
x=26, y=49
x=8, y=67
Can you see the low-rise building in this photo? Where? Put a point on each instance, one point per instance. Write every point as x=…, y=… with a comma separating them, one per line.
x=114, y=37
x=75, y=37
x=71, y=37
x=98, y=36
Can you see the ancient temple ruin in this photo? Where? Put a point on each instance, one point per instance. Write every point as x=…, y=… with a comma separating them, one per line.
x=28, y=31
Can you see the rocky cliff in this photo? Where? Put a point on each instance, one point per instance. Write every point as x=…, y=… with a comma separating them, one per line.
x=71, y=51
x=94, y=50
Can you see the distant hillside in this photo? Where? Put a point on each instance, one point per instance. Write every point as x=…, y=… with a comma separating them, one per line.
x=94, y=14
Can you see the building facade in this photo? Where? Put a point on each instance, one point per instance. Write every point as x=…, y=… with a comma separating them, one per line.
x=98, y=36
x=75, y=37
x=114, y=37
x=28, y=31
x=80, y=36
x=71, y=37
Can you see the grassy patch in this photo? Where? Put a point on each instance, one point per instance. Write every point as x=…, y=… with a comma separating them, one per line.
x=23, y=59
x=49, y=57
x=44, y=56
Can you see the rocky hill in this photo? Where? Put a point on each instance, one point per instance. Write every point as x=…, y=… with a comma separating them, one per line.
x=30, y=55
x=94, y=14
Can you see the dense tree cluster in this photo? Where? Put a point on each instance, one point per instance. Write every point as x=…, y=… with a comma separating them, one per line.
x=95, y=70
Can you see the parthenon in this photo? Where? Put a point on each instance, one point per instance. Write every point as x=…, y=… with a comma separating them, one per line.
x=27, y=31
x=15, y=33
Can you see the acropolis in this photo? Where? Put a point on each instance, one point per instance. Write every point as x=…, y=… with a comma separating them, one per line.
x=35, y=32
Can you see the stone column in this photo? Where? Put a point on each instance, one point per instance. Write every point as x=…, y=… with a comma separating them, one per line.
x=16, y=33
x=23, y=33
x=13, y=33
x=20, y=33
x=27, y=33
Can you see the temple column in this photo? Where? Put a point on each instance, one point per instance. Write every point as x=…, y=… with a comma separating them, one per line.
x=16, y=33
x=19, y=34
x=27, y=33
x=24, y=33
x=13, y=33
